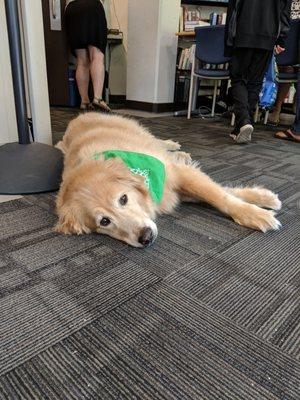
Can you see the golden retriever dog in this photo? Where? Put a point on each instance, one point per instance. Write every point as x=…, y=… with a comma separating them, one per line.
x=101, y=193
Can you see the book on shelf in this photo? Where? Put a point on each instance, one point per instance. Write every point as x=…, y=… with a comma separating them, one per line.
x=192, y=18
x=190, y=26
x=185, y=59
x=182, y=89
x=217, y=19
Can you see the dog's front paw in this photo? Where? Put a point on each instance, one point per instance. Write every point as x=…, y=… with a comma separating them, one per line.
x=257, y=218
x=266, y=198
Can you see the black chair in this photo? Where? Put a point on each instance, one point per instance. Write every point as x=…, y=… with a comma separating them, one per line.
x=209, y=49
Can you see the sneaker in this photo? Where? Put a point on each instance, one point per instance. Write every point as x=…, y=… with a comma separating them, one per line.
x=243, y=135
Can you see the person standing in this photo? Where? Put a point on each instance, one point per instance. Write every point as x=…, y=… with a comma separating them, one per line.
x=293, y=133
x=86, y=28
x=254, y=29
x=283, y=88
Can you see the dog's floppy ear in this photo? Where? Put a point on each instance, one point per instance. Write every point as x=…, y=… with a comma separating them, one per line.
x=139, y=183
x=70, y=222
x=70, y=214
x=123, y=174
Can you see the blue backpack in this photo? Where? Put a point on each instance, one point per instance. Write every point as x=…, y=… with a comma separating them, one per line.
x=269, y=90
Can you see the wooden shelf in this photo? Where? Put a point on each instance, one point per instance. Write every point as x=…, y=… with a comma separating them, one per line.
x=186, y=39
x=184, y=33
x=205, y=3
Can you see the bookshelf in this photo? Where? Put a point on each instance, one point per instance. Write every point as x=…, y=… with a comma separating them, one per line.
x=194, y=13
x=185, y=41
x=206, y=2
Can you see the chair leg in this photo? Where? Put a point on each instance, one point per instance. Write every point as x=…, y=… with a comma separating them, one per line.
x=228, y=86
x=266, y=117
x=214, y=99
x=256, y=114
x=195, y=92
x=191, y=96
x=232, y=122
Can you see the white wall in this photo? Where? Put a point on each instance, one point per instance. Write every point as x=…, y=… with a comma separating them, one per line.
x=117, y=16
x=167, y=51
x=32, y=23
x=32, y=17
x=152, y=49
x=8, y=128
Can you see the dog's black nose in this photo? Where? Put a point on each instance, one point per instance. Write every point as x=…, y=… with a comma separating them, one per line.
x=146, y=237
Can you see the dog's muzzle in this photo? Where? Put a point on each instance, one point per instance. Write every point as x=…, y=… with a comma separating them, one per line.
x=146, y=237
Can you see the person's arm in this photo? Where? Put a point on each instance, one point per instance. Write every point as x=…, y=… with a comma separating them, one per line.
x=230, y=28
x=285, y=22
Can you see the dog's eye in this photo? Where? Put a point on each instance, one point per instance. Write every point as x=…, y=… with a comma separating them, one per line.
x=123, y=200
x=105, y=221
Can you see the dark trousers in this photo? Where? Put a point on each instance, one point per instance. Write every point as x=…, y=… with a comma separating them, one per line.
x=247, y=70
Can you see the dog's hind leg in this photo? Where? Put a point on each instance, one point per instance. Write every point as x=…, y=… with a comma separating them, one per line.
x=257, y=195
x=190, y=182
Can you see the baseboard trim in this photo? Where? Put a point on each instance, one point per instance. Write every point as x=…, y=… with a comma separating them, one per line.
x=150, y=107
x=117, y=99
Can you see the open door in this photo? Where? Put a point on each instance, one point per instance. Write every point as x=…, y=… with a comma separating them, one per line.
x=57, y=53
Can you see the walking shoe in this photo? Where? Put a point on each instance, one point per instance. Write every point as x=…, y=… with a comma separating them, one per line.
x=243, y=135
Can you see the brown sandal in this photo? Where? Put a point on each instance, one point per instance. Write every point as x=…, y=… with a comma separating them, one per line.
x=100, y=105
x=86, y=107
x=287, y=135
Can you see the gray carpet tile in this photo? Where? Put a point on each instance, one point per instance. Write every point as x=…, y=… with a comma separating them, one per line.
x=255, y=282
x=209, y=312
x=36, y=256
x=23, y=221
x=50, y=305
x=291, y=196
x=161, y=344
x=43, y=200
x=13, y=205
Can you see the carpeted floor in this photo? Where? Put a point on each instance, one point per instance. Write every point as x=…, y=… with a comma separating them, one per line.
x=211, y=311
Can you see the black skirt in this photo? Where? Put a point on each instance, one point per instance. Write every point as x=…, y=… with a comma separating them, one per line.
x=86, y=25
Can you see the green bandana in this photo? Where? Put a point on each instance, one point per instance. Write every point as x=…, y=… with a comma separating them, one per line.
x=149, y=167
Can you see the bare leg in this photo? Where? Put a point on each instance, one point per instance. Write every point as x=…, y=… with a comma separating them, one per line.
x=192, y=183
x=97, y=70
x=98, y=73
x=282, y=93
x=83, y=74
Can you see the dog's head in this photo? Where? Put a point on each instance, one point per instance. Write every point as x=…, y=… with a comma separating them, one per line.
x=105, y=197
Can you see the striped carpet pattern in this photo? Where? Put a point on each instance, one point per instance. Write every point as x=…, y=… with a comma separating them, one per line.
x=211, y=311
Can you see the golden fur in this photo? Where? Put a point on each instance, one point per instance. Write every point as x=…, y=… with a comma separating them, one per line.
x=91, y=190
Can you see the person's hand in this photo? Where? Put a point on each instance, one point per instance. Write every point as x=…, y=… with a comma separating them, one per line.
x=278, y=49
